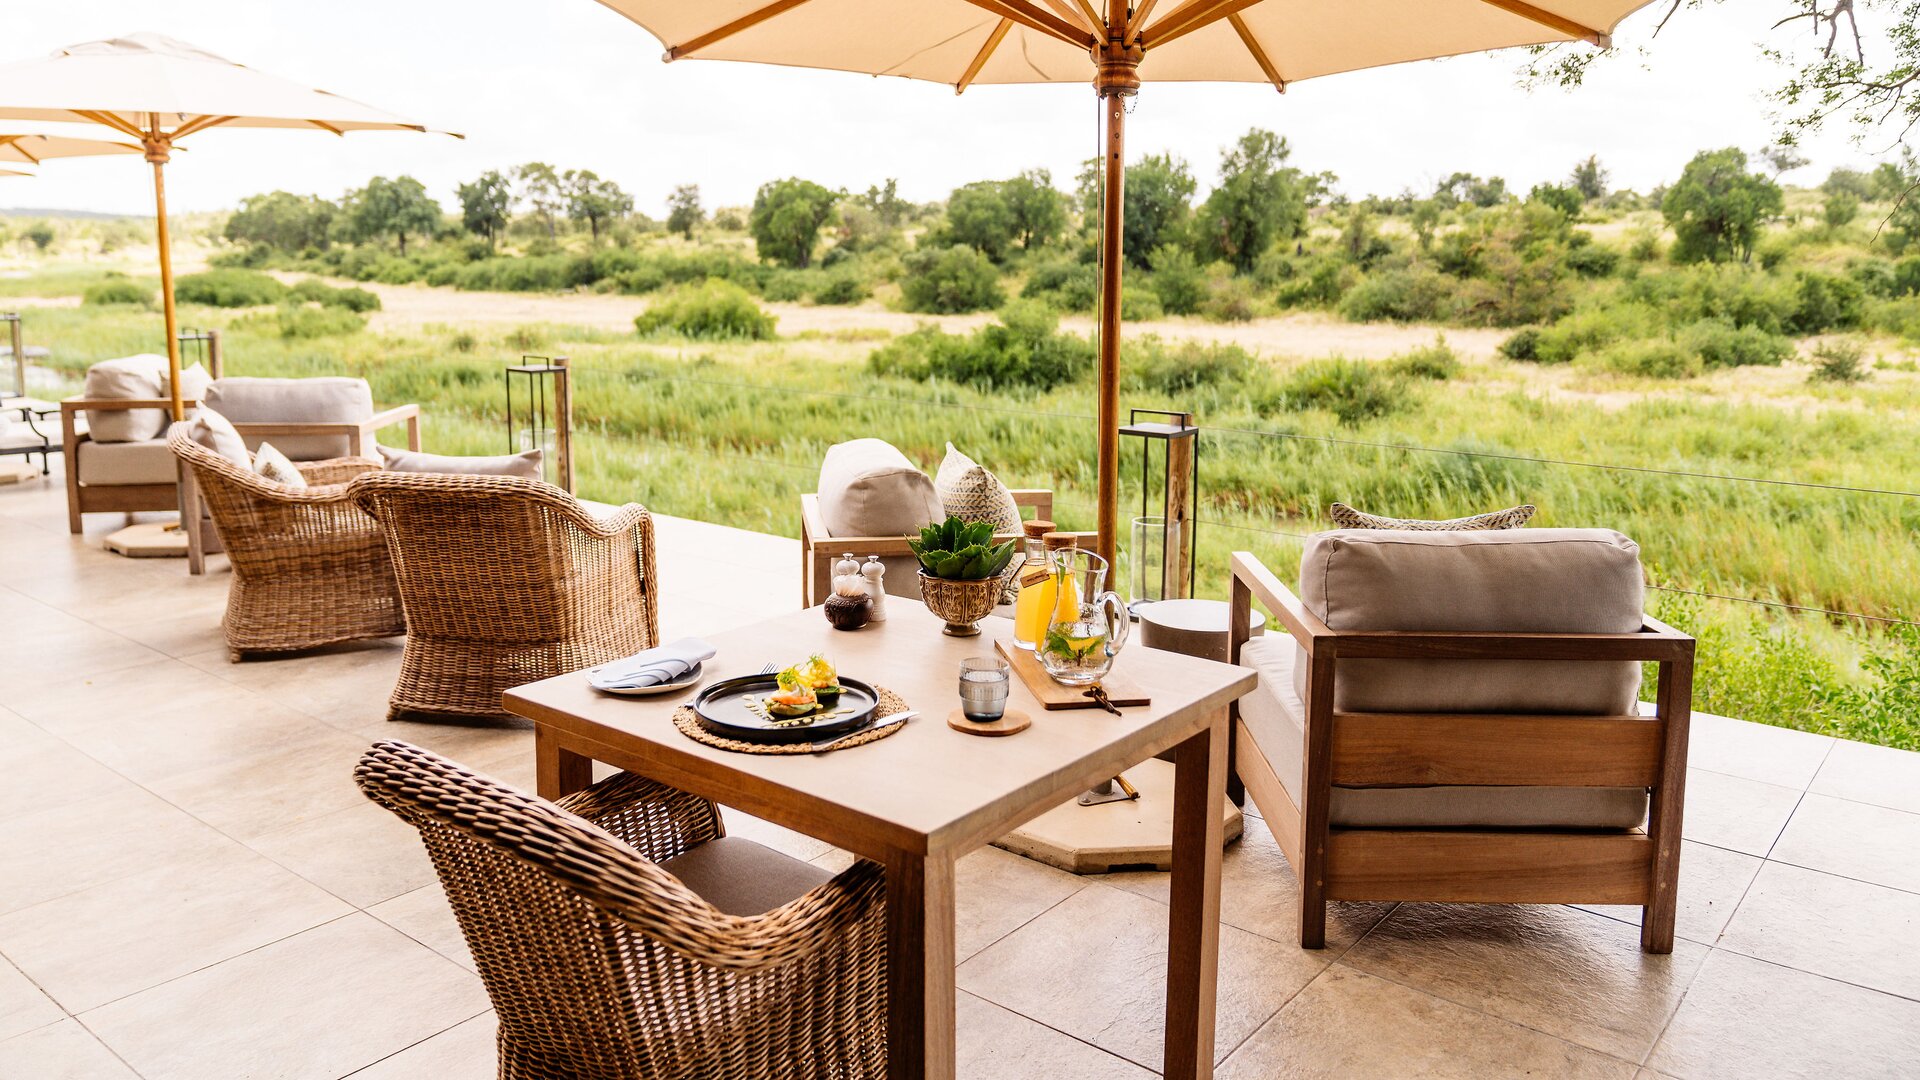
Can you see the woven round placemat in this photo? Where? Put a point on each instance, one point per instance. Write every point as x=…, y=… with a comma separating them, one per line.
x=688, y=722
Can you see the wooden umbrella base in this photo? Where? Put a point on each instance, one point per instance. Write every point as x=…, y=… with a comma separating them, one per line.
x=155, y=540
x=1131, y=834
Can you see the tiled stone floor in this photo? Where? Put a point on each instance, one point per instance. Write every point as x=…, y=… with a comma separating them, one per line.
x=191, y=887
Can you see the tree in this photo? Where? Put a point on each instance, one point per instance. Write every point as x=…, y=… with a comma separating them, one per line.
x=1260, y=199
x=40, y=234
x=1039, y=209
x=540, y=188
x=787, y=217
x=485, y=205
x=1156, y=202
x=979, y=216
x=1842, y=207
x=887, y=205
x=1852, y=181
x=1589, y=178
x=1566, y=200
x=1716, y=208
x=282, y=220
x=1780, y=159
x=1902, y=227
x=593, y=200
x=1464, y=187
x=683, y=210
x=1425, y=219
x=396, y=207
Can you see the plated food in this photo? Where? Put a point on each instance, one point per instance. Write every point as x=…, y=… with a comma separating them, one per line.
x=806, y=692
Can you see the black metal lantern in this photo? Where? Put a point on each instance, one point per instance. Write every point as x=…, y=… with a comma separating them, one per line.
x=1162, y=564
x=17, y=353
x=540, y=415
x=200, y=347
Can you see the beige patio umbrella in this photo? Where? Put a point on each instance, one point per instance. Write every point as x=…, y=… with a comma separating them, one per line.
x=157, y=91
x=1116, y=46
x=34, y=149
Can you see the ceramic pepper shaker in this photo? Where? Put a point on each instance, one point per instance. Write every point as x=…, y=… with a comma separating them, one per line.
x=875, y=572
x=845, y=565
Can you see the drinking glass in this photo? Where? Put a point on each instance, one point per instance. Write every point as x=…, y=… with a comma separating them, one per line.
x=984, y=683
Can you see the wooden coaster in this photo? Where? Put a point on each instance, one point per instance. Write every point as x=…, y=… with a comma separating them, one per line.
x=1120, y=690
x=1011, y=722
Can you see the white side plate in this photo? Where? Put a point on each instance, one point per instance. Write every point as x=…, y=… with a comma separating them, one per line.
x=689, y=679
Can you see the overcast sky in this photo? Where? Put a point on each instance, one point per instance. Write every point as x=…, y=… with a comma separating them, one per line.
x=571, y=83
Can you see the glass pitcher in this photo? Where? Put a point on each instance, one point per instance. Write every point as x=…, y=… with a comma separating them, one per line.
x=1088, y=625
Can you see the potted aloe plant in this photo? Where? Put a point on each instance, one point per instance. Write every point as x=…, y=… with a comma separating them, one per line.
x=962, y=572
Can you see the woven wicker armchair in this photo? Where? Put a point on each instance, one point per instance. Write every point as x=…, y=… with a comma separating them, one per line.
x=309, y=569
x=507, y=581
x=603, y=966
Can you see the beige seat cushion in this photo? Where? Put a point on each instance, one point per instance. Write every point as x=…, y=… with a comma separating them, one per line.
x=741, y=877
x=119, y=464
x=1275, y=719
x=971, y=493
x=526, y=464
x=328, y=400
x=1506, y=581
x=128, y=378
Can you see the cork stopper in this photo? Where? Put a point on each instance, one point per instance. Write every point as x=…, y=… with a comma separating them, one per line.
x=1036, y=528
x=1057, y=541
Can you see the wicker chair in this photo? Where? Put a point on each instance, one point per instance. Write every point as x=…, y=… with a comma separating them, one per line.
x=602, y=964
x=309, y=569
x=507, y=581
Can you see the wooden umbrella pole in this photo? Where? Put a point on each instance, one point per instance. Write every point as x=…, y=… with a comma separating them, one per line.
x=158, y=146
x=1117, y=78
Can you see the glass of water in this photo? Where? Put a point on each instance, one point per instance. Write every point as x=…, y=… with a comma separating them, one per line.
x=984, y=682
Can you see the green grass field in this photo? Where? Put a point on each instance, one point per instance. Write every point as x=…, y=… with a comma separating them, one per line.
x=733, y=433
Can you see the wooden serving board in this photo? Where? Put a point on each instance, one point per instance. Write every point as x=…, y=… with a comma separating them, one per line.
x=1052, y=696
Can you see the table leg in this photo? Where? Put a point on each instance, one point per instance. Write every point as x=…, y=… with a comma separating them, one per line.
x=559, y=771
x=920, y=995
x=1193, y=940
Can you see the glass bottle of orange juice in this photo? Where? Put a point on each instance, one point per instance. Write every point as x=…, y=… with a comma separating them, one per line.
x=1044, y=590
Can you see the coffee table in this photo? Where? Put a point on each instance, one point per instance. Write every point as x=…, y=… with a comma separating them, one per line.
x=920, y=799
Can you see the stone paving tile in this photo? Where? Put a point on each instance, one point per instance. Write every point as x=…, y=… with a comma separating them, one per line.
x=1856, y=840
x=1871, y=774
x=1844, y=929
x=462, y=1052
x=1712, y=881
x=61, y=1051
x=1773, y=755
x=1735, y=813
x=23, y=1006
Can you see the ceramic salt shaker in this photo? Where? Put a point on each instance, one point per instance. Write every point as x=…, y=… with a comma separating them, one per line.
x=875, y=572
x=846, y=565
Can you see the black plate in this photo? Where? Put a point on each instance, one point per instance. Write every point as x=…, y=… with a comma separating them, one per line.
x=722, y=710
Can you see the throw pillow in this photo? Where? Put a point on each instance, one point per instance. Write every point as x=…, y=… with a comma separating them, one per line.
x=276, y=467
x=1346, y=517
x=869, y=488
x=524, y=464
x=212, y=431
x=971, y=493
x=143, y=376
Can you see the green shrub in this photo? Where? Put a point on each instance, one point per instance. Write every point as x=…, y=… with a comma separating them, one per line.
x=118, y=290
x=1178, y=281
x=1720, y=344
x=1657, y=358
x=302, y=322
x=1318, y=282
x=786, y=286
x=1353, y=390
x=229, y=288
x=1230, y=298
x=315, y=291
x=393, y=271
x=1592, y=260
x=1063, y=283
x=1745, y=296
x=1024, y=349
x=1413, y=295
x=1436, y=362
x=1523, y=344
x=1584, y=331
x=710, y=311
x=1825, y=302
x=1180, y=367
x=957, y=279
x=843, y=284
x=1905, y=277
x=1842, y=361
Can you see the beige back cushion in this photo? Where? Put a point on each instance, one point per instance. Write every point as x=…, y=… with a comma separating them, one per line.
x=525, y=464
x=327, y=400
x=128, y=378
x=868, y=488
x=1506, y=581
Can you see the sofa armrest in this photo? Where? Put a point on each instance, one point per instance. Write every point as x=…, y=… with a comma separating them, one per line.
x=1252, y=581
x=1040, y=499
x=409, y=413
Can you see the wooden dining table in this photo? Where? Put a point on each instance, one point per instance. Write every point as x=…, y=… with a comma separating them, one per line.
x=919, y=799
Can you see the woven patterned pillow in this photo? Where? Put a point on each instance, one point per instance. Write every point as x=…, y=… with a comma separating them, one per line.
x=971, y=493
x=277, y=467
x=1346, y=517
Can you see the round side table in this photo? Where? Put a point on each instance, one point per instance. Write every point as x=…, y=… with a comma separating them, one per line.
x=1199, y=628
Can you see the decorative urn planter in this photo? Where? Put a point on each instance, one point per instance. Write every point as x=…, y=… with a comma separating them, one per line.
x=961, y=603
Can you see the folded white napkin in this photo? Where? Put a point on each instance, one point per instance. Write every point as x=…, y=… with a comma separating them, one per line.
x=653, y=667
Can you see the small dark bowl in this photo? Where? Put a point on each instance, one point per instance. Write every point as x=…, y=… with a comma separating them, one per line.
x=849, y=613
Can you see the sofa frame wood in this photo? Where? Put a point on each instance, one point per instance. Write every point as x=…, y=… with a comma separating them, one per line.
x=1513, y=866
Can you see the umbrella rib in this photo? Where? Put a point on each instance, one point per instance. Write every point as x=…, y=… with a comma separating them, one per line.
x=1095, y=22
x=202, y=123
x=1024, y=13
x=117, y=123
x=1139, y=19
x=324, y=126
x=1067, y=11
x=1194, y=15
x=1259, y=54
x=994, y=38
x=720, y=33
x=1552, y=22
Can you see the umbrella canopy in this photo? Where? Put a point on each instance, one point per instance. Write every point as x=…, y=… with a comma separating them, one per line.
x=34, y=149
x=14, y=172
x=156, y=91
x=1115, y=45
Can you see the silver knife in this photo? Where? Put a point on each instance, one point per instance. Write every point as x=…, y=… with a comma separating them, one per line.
x=885, y=721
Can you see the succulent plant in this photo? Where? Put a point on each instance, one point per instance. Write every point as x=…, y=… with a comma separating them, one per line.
x=959, y=551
